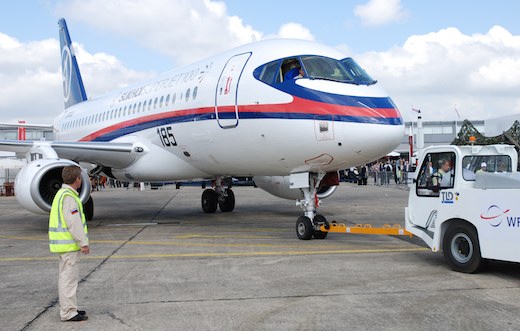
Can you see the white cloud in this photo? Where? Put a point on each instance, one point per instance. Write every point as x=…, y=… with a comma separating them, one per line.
x=294, y=30
x=380, y=12
x=184, y=30
x=479, y=73
x=30, y=77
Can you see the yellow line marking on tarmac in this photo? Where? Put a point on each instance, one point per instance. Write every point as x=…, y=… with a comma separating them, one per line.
x=192, y=244
x=227, y=254
x=203, y=236
x=186, y=244
x=25, y=238
x=245, y=229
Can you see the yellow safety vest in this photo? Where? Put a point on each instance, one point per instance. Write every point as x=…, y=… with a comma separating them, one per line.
x=60, y=239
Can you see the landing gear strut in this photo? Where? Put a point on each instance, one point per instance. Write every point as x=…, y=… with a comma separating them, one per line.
x=308, y=225
x=221, y=197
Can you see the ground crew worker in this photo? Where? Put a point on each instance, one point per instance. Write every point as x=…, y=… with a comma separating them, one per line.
x=68, y=236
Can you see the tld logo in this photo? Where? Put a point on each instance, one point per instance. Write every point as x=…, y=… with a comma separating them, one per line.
x=449, y=197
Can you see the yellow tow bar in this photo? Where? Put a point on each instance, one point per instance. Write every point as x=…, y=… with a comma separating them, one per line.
x=386, y=229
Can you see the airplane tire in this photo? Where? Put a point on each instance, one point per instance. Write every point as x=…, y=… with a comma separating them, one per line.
x=461, y=248
x=209, y=201
x=317, y=233
x=229, y=203
x=88, y=209
x=304, y=228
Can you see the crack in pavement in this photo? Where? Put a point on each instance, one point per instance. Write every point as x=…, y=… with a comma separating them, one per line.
x=329, y=295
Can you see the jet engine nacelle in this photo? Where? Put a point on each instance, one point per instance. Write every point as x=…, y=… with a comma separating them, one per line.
x=37, y=183
x=279, y=186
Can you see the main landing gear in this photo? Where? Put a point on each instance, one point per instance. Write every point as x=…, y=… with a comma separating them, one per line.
x=221, y=197
x=308, y=225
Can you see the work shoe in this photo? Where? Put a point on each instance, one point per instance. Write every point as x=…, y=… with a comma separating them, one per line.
x=78, y=318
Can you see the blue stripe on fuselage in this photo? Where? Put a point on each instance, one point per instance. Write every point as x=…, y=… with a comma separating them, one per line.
x=243, y=116
x=296, y=90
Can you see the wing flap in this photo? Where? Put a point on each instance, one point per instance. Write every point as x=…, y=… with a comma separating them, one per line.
x=107, y=154
x=113, y=155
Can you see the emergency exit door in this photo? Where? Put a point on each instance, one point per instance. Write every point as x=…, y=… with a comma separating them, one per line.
x=226, y=95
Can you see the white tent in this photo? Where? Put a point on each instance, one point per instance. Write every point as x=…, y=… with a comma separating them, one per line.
x=8, y=164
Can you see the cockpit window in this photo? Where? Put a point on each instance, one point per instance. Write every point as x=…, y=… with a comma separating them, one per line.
x=313, y=67
x=359, y=75
x=268, y=72
x=320, y=67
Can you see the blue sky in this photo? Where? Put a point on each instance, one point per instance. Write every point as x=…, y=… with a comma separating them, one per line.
x=412, y=47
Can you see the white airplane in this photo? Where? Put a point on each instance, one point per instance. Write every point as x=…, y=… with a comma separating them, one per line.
x=289, y=113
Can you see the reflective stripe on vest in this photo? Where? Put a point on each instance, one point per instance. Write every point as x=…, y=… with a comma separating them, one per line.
x=60, y=239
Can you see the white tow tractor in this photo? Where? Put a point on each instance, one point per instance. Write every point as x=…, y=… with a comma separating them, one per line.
x=465, y=201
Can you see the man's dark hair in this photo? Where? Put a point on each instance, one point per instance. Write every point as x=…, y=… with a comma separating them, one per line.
x=70, y=173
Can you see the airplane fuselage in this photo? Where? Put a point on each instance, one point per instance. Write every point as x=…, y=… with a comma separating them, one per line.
x=221, y=117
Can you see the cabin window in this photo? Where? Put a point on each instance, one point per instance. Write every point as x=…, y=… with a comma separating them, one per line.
x=195, y=91
x=473, y=164
x=161, y=101
x=188, y=94
x=437, y=172
x=167, y=101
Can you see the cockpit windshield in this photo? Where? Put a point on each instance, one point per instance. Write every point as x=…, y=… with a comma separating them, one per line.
x=320, y=67
x=359, y=75
x=313, y=67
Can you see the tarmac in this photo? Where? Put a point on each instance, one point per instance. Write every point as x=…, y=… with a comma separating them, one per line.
x=158, y=262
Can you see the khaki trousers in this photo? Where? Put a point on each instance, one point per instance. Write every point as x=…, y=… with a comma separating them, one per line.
x=68, y=284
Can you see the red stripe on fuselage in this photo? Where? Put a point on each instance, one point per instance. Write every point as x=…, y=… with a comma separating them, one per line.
x=305, y=106
x=148, y=118
x=297, y=106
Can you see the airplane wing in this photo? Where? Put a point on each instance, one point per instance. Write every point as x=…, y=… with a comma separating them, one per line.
x=114, y=155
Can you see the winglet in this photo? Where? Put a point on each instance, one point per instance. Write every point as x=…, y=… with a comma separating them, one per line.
x=73, y=89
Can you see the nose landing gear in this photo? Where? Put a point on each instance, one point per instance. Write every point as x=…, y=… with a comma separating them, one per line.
x=308, y=225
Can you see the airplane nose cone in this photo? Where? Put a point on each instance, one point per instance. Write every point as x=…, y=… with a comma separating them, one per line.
x=373, y=141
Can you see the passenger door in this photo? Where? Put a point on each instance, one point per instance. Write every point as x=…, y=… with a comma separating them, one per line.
x=226, y=94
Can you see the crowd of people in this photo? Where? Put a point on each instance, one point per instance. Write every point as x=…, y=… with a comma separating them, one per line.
x=99, y=183
x=383, y=172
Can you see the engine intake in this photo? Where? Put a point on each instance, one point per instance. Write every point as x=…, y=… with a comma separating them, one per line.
x=37, y=183
x=279, y=186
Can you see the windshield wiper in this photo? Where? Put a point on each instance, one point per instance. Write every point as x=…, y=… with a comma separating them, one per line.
x=334, y=80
